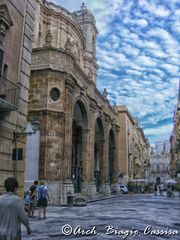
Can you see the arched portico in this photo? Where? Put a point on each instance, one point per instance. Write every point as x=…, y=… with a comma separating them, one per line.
x=79, y=125
x=98, y=152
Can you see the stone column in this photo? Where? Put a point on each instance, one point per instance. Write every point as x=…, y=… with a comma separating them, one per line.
x=104, y=165
x=68, y=129
x=86, y=175
x=91, y=187
x=66, y=170
x=117, y=158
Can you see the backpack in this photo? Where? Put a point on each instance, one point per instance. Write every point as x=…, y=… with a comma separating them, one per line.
x=41, y=192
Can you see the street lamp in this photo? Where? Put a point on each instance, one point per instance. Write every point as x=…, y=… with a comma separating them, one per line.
x=20, y=135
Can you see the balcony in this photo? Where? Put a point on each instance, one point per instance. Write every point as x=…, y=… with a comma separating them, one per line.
x=9, y=96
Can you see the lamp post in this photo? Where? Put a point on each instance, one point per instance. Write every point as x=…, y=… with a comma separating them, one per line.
x=20, y=135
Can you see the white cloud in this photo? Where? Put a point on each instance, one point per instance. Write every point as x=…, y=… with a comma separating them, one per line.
x=170, y=68
x=154, y=9
x=159, y=131
x=146, y=61
x=142, y=22
x=165, y=36
x=138, y=54
x=130, y=50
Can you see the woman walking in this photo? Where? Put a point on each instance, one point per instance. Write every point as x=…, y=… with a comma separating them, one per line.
x=42, y=199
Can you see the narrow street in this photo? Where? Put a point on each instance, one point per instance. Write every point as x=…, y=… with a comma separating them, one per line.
x=123, y=217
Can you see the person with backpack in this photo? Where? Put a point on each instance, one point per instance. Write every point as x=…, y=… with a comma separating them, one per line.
x=42, y=199
x=33, y=197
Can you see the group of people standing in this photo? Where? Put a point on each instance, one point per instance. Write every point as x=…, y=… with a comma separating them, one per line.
x=37, y=197
x=12, y=211
x=169, y=190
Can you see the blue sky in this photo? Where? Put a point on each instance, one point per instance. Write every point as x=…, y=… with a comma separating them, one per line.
x=138, y=53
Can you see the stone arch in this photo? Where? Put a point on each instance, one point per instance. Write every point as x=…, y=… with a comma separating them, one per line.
x=79, y=128
x=83, y=102
x=111, y=157
x=98, y=152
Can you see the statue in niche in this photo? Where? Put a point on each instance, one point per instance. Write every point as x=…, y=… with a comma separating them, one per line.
x=48, y=38
x=68, y=46
x=105, y=93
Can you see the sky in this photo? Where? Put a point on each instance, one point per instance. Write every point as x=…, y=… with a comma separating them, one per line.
x=138, y=54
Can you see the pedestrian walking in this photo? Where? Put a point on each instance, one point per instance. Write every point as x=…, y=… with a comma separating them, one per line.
x=168, y=191
x=42, y=199
x=155, y=189
x=172, y=191
x=33, y=196
x=12, y=212
x=161, y=189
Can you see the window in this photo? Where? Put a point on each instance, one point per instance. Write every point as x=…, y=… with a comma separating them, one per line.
x=5, y=71
x=55, y=94
x=1, y=61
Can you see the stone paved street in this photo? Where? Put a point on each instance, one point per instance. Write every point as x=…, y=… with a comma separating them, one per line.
x=126, y=212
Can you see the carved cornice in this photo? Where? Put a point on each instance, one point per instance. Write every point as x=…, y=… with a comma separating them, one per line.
x=93, y=104
x=70, y=83
x=46, y=112
x=50, y=9
x=107, y=118
x=117, y=128
x=5, y=21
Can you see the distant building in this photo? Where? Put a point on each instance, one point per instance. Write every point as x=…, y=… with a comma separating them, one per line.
x=162, y=147
x=160, y=161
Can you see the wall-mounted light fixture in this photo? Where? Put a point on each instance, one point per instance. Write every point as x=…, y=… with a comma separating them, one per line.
x=19, y=135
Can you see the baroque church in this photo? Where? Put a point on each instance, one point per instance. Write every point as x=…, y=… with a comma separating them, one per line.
x=78, y=127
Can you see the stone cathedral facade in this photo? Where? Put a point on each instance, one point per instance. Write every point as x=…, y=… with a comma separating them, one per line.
x=79, y=143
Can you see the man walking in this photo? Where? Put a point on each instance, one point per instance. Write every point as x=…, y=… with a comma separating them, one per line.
x=33, y=196
x=12, y=212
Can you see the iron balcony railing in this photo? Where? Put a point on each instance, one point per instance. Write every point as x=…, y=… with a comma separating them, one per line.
x=9, y=92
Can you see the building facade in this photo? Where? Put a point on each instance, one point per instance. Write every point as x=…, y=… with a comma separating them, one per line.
x=16, y=29
x=175, y=141
x=78, y=127
x=133, y=147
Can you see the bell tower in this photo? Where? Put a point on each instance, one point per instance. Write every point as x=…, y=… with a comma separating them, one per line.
x=88, y=25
